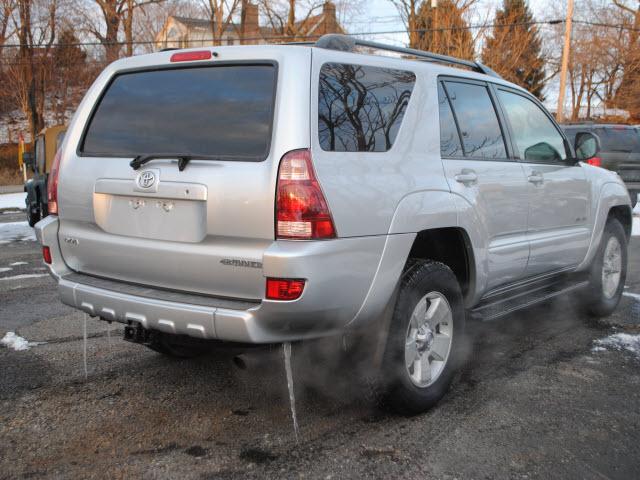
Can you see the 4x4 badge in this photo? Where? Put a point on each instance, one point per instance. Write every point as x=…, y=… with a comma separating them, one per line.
x=146, y=179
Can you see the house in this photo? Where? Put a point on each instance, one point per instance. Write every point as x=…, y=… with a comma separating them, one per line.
x=184, y=32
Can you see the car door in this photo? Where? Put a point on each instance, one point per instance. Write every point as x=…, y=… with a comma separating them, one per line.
x=478, y=167
x=559, y=192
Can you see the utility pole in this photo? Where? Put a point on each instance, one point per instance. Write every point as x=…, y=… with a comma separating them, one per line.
x=565, y=61
x=435, y=46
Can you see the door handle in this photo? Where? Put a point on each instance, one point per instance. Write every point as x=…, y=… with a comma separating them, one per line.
x=466, y=177
x=536, y=178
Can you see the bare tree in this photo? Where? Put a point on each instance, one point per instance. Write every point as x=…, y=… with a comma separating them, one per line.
x=220, y=14
x=30, y=70
x=117, y=13
x=288, y=18
x=7, y=30
x=629, y=89
x=150, y=19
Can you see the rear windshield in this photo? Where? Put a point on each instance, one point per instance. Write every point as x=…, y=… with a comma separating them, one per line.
x=218, y=112
x=618, y=139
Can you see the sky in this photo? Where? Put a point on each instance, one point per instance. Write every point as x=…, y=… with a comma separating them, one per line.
x=382, y=15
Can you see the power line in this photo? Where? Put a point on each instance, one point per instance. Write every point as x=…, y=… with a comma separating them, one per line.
x=286, y=37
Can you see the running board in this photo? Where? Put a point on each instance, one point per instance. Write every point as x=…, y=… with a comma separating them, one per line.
x=492, y=309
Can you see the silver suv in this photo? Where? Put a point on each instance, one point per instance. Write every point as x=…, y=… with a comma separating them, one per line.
x=277, y=193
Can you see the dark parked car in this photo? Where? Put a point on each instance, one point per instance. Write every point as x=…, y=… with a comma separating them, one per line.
x=40, y=161
x=620, y=151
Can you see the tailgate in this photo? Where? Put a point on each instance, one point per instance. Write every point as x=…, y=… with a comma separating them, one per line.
x=198, y=215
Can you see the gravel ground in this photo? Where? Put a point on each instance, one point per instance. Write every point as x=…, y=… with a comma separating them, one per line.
x=534, y=401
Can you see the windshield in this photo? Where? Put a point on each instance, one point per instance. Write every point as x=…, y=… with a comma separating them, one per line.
x=222, y=112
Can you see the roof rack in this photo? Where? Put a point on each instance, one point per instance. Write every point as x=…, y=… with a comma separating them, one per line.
x=345, y=43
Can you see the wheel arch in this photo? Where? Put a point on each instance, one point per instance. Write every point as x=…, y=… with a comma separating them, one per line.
x=613, y=202
x=623, y=214
x=452, y=247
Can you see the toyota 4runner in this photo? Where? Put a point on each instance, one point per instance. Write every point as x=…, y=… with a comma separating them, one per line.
x=277, y=193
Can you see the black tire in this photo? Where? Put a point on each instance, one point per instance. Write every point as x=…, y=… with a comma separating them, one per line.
x=163, y=344
x=399, y=392
x=33, y=215
x=594, y=300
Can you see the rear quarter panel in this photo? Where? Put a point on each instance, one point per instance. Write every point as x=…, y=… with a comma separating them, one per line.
x=364, y=189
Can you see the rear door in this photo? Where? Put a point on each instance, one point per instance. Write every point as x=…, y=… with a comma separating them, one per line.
x=559, y=193
x=202, y=228
x=479, y=169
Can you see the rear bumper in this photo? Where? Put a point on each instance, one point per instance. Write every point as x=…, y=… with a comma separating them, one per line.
x=339, y=275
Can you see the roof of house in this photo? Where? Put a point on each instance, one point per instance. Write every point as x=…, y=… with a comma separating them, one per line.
x=192, y=22
x=305, y=27
x=202, y=23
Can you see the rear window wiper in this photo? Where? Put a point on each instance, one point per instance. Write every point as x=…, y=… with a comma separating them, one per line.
x=140, y=160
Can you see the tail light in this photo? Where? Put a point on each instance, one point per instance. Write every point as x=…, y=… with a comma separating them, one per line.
x=46, y=255
x=191, y=56
x=595, y=161
x=52, y=186
x=301, y=209
x=284, y=288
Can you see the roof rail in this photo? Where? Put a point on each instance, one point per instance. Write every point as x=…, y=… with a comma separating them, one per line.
x=345, y=43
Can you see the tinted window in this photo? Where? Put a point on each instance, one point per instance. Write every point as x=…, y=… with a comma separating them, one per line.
x=223, y=111
x=477, y=119
x=618, y=139
x=449, y=138
x=537, y=138
x=360, y=109
x=571, y=133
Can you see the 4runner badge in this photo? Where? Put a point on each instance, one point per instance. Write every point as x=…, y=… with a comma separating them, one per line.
x=146, y=179
x=233, y=262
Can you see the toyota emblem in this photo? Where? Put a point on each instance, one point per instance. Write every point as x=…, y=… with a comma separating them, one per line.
x=146, y=179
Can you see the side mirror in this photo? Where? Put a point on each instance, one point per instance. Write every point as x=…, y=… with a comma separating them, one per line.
x=28, y=160
x=587, y=145
x=541, y=152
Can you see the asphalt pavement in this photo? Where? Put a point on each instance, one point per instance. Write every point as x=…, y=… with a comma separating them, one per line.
x=535, y=400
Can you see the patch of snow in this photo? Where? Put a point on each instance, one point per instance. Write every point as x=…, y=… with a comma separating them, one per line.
x=636, y=209
x=620, y=342
x=15, y=342
x=13, y=200
x=26, y=275
x=16, y=231
x=632, y=295
x=635, y=226
x=5, y=269
x=15, y=264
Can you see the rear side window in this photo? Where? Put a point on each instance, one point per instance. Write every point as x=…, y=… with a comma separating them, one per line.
x=614, y=139
x=450, y=145
x=221, y=112
x=477, y=120
x=360, y=108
